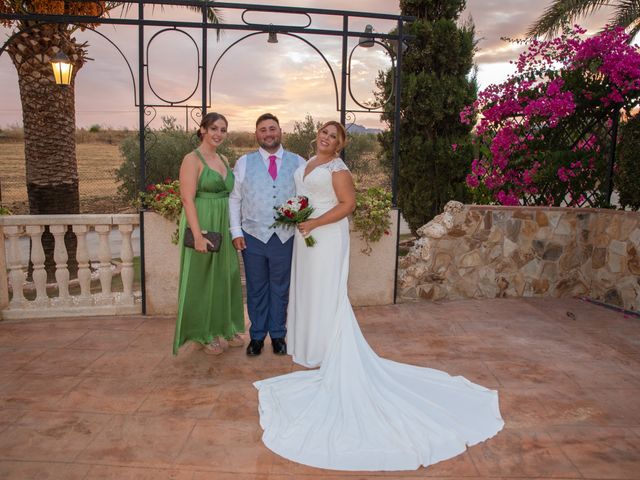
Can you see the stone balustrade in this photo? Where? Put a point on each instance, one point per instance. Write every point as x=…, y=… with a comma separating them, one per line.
x=105, y=302
x=485, y=251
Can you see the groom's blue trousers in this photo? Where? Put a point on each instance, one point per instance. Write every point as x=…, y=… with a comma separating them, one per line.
x=267, y=269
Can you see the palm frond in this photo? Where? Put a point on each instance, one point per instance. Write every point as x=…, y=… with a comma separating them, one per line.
x=213, y=14
x=626, y=13
x=563, y=12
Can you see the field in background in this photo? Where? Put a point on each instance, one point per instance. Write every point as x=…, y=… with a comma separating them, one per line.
x=96, y=163
x=99, y=155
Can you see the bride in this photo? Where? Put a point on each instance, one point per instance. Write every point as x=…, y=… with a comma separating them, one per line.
x=357, y=411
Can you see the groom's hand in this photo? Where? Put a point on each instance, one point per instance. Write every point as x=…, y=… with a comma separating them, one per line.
x=239, y=243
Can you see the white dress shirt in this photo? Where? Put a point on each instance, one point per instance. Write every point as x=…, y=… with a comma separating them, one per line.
x=235, y=197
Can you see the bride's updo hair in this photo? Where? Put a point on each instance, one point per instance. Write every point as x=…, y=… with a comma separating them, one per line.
x=342, y=134
x=208, y=120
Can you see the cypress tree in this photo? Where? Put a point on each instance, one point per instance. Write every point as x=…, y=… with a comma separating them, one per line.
x=438, y=81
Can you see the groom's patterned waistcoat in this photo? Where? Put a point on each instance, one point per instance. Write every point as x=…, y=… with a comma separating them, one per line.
x=260, y=193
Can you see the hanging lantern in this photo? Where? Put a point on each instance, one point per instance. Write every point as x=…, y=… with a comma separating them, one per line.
x=62, y=68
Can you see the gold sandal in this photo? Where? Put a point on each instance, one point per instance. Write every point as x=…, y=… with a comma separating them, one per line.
x=214, y=347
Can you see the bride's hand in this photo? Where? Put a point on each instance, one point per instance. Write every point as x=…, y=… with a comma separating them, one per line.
x=305, y=227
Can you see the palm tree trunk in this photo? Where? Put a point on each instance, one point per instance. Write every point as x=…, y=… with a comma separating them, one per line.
x=48, y=112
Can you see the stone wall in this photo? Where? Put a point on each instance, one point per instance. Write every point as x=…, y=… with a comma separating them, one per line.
x=474, y=251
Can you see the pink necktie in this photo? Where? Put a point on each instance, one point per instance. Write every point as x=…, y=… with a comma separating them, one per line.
x=273, y=169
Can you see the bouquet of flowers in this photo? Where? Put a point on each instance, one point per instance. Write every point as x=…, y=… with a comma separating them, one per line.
x=164, y=199
x=293, y=211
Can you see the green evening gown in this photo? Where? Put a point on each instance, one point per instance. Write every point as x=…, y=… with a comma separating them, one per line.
x=210, y=292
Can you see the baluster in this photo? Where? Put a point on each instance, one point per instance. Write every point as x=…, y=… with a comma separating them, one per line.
x=37, y=258
x=17, y=276
x=104, y=255
x=84, y=273
x=126, y=273
x=60, y=256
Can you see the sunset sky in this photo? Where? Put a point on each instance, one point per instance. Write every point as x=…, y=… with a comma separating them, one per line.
x=288, y=78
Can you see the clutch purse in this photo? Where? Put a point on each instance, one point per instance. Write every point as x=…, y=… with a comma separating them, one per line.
x=214, y=237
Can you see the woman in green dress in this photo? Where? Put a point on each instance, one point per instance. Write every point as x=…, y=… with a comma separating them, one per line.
x=210, y=294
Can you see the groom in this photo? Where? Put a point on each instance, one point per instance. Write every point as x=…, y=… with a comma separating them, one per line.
x=263, y=180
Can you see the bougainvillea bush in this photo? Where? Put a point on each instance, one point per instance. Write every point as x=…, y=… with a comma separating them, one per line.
x=545, y=133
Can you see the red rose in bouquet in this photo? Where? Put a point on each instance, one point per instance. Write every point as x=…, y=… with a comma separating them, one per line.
x=292, y=212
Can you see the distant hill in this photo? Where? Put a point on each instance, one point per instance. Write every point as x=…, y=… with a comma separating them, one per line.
x=359, y=129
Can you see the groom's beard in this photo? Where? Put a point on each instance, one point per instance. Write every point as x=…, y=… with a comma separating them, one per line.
x=270, y=144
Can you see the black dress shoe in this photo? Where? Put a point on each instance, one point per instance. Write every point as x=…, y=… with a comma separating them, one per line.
x=255, y=348
x=279, y=346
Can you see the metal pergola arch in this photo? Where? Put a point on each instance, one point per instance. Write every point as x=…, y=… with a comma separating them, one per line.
x=205, y=77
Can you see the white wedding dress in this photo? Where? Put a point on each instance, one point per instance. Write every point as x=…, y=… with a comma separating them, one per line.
x=358, y=411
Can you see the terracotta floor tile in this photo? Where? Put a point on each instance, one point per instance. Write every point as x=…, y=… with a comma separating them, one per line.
x=554, y=372
x=125, y=364
x=130, y=322
x=522, y=408
x=100, y=472
x=182, y=397
x=236, y=401
x=601, y=452
x=572, y=407
x=50, y=436
x=52, y=338
x=62, y=362
x=28, y=391
x=106, y=395
x=12, y=470
x=522, y=453
x=218, y=444
x=13, y=360
x=165, y=324
x=8, y=416
x=109, y=340
x=476, y=372
x=602, y=374
x=621, y=405
x=151, y=342
x=237, y=476
x=12, y=335
x=139, y=441
x=526, y=375
x=190, y=362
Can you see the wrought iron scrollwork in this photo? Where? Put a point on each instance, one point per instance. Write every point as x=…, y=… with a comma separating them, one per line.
x=350, y=120
x=373, y=107
x=173, y=29
x=150, y=138
x=302, y=39
x=196, y=115
x=262, y=25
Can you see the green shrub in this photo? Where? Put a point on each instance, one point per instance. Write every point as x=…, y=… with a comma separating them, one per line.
x=165, y=149
x=371, y=216
x=627, y=173
x=301, y=140
x=360, y=146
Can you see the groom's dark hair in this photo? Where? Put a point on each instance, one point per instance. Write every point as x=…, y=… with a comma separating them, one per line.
x=267, y=116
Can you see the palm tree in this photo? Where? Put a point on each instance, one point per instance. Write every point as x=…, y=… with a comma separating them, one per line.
x=48, y=110
x=626, y=14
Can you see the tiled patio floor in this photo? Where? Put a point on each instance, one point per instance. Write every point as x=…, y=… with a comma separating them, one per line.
x=103, y=398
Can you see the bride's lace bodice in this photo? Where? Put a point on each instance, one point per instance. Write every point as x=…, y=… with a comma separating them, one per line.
x=318, y=184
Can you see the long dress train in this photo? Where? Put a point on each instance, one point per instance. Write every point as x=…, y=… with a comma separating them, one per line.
x=358, y=411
